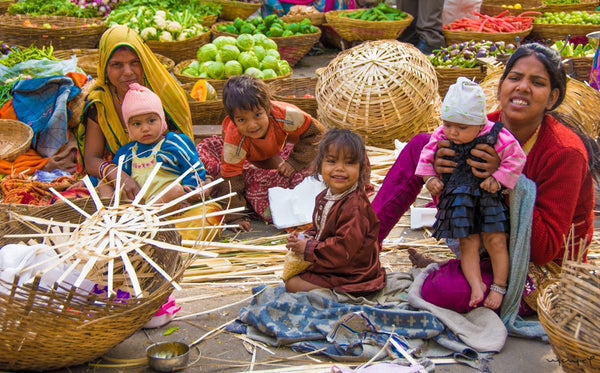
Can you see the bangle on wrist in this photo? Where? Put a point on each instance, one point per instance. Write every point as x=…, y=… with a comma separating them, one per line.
x=429, y=179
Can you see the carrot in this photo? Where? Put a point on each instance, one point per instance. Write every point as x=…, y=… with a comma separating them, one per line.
x=501, y=14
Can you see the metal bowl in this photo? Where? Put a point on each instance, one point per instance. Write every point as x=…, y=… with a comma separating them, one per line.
x=168, y=356
x=593, y=38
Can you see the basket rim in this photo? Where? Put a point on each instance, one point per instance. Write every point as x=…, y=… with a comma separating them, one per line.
x=506, y=34
x=79, y=23
x=22, y=143
x=334, y=15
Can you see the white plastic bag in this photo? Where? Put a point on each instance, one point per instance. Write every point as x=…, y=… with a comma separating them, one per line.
x=457, y=9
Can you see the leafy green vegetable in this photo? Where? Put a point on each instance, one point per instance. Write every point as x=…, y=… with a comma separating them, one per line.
x=233, y=68
x=52, y=8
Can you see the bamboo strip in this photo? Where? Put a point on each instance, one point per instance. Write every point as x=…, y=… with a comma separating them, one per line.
x=237, y=247
x=117, y=194
x=142, y=192
x=218, y=308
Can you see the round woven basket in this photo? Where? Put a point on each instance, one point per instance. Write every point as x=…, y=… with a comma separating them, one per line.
x=89, y=63
x=4, y=4
x=70, y=32
x=460, y=36
x=218, y=84
x=293, y=90
x=179, y=50
x=447, y=76
x=230, y=10
x=555, y=32
x=580, y=103
x=583, y=5
x=290, y=48
x=579, y=67
x=383, y=90
x=15, y=138
x=206, y=112
x=46, y=329
x=315, y=18
x=209, y=20
x=494, y=7
x=566, y=323
x=359, y=30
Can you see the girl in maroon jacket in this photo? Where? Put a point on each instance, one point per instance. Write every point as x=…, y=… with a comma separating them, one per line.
x=342, y=245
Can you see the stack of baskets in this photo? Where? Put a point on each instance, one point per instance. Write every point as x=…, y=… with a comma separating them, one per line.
x=68, y=32
x=358, y=30
x=298, y=91
x=45, y=329
x=291, y=48
x=180, y=50
x=383, y=90
x=569, y=311
x=15, y=139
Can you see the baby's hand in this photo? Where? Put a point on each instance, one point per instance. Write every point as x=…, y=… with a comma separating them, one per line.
x=434, y=185
x=297, y=243
x=286, y=169
x=490, y=185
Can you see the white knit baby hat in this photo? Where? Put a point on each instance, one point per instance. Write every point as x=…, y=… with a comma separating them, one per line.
x=464, y=103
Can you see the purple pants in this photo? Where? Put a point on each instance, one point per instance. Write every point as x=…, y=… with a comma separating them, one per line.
x=446, y=287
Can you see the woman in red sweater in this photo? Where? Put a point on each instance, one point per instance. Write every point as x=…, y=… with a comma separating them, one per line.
x=533, y=83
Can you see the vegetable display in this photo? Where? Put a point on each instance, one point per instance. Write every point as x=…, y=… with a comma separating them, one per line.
x=498, y=23
x=465, y=54
x=568, y=49
x=569, y=18
x=553, y=2
x=52, y=8
x=271, y=25
x=102, y=6
x=25, y=54
x=227, y=56
x=382, y=12
x=163, y=20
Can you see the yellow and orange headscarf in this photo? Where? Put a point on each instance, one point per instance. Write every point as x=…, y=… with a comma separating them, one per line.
x=156, y=77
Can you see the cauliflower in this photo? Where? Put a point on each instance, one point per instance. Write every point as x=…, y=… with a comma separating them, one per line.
x=159, y=22
x=165, y=36
x=161, y=13
x=186, y=34
x=149, y=33
x=174, y=26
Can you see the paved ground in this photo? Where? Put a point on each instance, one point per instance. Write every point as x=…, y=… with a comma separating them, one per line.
x=227, y=353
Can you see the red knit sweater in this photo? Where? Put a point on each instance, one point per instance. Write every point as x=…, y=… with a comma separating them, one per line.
x=558, y=164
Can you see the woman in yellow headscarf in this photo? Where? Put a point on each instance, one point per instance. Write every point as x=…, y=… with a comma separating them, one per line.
x=125, y=59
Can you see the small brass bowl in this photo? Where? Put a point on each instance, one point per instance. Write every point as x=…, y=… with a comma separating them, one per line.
x=168, y=356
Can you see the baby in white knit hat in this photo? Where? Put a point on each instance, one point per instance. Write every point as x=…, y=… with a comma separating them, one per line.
x=472, y=209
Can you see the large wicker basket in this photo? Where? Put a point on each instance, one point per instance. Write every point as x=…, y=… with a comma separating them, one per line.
x=230, y=10
x=45, y=329
x=65, y=54
x=294, y=91
x=89, y=63
x=569, y=311
x=447, y=76
x=582, y=5
x=4, y=4
x=579, y=67
x=316, y=19
x=180, y=50
x=460, y=36
x=15, y=138
x=580, y=103
x=555, y=32
x=359, y=30
x=210, y=112
x=69, y=33
x=383, y=90
x=495, y=7
x=290, y=48
x=218, y=84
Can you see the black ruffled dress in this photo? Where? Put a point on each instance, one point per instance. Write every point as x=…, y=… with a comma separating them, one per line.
x=464, y=208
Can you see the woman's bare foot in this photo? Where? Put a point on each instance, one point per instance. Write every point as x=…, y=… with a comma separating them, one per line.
x=476, y=295
x=419, y=260
x=494, y=298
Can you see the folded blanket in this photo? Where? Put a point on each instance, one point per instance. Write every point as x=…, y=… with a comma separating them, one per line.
x=42, y=103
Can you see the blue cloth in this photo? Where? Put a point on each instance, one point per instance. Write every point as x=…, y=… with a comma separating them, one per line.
x=42, y=104
x=522, y=200
x=177, y=154
x=49, y=176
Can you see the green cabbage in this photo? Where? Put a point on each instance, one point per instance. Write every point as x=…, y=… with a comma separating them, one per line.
x=274, y=53
x=269, y=74
x=269, y=44
x=283, y=67
x=207, y=52
x=245, y=42
x=229, y=53
x=233, y=68
x=259, y=39
x=216, y=70
x=248, y=59
x=255, y=72
x=269, y=62
x=220, y=41
x=259, y=51
x=204, y=66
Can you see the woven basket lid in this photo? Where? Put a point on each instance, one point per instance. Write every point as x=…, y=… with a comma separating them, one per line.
x=383, y=90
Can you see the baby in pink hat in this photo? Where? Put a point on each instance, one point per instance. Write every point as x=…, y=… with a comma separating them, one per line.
x=471, y=209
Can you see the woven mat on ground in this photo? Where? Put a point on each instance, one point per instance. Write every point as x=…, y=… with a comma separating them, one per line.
x=326, y=320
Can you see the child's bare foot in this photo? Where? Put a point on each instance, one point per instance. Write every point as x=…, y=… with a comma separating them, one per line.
x=494, y=298
x=476, y=295
x=419, y=260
